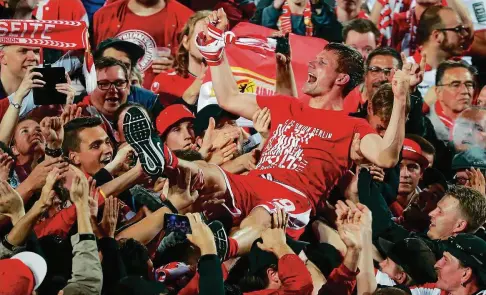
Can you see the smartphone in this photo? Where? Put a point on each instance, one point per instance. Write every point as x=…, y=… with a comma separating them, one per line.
x=177, y=223
x=48, y=94
x=283, y=45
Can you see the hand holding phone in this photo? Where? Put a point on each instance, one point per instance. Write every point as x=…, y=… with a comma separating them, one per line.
x=177, y=223
x=48, y=94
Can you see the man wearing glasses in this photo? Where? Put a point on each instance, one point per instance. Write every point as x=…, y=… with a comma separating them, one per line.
x=442, y=35
x=379, y=66
x=454, y=90
x=111, y=92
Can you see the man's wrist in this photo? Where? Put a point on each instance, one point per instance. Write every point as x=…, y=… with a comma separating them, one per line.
x=208, y=249
x=282, y=250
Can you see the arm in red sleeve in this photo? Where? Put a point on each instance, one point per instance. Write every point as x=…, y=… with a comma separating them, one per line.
x=59, y=224
x=340, y=281
x=294, y=275
x=4, y=103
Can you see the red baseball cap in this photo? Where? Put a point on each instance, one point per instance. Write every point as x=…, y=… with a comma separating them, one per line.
x=171, y=115
x=22, y=273
x=412, y=151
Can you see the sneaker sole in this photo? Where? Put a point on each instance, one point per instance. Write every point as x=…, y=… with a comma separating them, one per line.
x=140, y=135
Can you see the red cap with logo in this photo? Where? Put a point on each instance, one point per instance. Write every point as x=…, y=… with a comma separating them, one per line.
x=171, y=115
x=412, y=151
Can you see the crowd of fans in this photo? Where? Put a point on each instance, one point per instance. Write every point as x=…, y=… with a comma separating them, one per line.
x=372, y=182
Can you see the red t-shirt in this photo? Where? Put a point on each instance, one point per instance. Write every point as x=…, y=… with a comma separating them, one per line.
x=308, y=148
x=170, y=86
x=353, y=100
x=53, y=10
x=153, y=31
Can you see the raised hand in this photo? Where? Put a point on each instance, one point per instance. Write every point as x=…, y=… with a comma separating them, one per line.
x=11, y=204
x=201, y=235
x=93, y=198
x=122, y=160
x=377, y=173
x=192, y=93
x=37, y=178
x=6, y=163
x=47, y=195
x=182, y=193
x=415, y=71
x=70, y=112
x=218, y=18
x=110, y=216
x=277, y=4
x=31, y=80
x=80, y=190
x=476, y=180
x=401, y=84
x=348, y=224
x=53, y=130
x=261, y=122
x=222, y=155
x=67, y=89
x=274, y=239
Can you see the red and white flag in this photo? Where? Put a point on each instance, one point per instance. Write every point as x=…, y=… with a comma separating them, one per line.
x=252, y=61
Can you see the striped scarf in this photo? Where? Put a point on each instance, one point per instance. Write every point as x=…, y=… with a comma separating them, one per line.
x=285, y=23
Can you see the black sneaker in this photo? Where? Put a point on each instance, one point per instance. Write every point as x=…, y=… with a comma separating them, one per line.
x=139, y=133
x=220, y=238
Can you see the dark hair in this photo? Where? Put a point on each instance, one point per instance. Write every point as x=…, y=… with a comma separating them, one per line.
x=108, y=62
x=257, y=281
x=472, y=205
x=135, y=256
x=350, y=62
x=189, y=155
x=382, y=102
x=429, y=22
x=73, y=128
x=386, y=51
x=181, y=62
x=98, y=54
x=424, y=144
x=361, y=26
x=450, y=64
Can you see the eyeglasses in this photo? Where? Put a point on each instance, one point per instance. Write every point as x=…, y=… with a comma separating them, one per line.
x=459, y=29
x=457, y=84
x=106, y=85
x=377, y=70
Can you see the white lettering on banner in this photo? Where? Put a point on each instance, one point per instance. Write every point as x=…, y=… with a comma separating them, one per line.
x=284, y=204
x=284, y=148
x=19, y=29
x=145, y=41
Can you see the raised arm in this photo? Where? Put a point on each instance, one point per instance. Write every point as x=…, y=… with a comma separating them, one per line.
x=385, y=151
x=224, y=84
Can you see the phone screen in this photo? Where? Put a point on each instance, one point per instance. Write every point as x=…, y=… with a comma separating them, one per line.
x=177, y=223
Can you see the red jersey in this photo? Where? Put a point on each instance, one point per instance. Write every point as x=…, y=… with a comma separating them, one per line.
x=308, y=148
x=53, y=10
x=170, y=86
x=158, y=30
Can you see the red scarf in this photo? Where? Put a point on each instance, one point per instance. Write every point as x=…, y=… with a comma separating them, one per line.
x=56, y=34
x=285, y=22
x=443, y=117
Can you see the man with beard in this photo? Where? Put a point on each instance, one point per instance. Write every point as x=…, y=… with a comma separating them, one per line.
x=454, y=89
x=379, y=68
x=442, y=35
x=152, y=24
